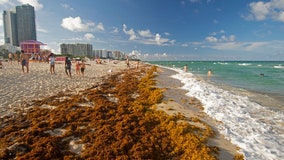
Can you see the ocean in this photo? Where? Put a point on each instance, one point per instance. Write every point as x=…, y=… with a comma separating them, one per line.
x=246, y=96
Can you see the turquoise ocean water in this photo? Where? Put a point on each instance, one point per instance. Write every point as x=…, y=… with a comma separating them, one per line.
x=247, y=97
x=263, y=77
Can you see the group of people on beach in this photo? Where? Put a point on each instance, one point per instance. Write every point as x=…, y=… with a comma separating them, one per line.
x=80, y=66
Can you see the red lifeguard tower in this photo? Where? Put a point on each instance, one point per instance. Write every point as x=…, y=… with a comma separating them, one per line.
x=31, y=46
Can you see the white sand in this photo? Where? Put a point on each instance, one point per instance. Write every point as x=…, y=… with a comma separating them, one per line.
x=16, y=87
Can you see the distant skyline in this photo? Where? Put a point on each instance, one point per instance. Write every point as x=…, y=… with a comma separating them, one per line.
x=163, y=29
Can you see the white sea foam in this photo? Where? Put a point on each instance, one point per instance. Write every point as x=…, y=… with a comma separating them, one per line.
x=223, y=63
x=244, y=64
x=279, y=66
x=255, y=129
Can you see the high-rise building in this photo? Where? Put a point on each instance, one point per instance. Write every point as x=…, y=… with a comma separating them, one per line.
x=10, y=27
x=19, y=25
x=77, y=49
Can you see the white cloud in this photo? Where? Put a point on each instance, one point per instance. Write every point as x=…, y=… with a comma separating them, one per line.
x=67, y=6
x=115, y=30
x=146, y=37
x=42, y=30
x=185, y=45
x=89, y=36
x=240, y=46
x=135, y=54
x=158, y=38
x=232, y=38
x=222, y=31
x=167, y=33
x=35, y=3
x=100, y=26
x=280, y=16
x=226, y=46
x=130, y=32
x=211, y=39
x=76, y=24
x=223, y=38
x=253, y=45
x=145, y=33
x=261, y=10
x=4, y=2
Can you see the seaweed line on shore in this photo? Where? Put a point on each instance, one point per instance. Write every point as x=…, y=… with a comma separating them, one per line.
x=115, y=119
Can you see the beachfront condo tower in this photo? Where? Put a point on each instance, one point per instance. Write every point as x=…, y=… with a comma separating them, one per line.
x=77, y=49
x=19, y=25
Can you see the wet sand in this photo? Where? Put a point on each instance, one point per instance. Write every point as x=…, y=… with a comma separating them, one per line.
x=175, y=101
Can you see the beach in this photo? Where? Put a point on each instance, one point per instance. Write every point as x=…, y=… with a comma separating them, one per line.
x=17, y=88
x=248, y=106
x=54, y=112
x=176, y=101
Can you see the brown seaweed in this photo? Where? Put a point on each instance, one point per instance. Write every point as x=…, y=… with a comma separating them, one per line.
x=113, y=120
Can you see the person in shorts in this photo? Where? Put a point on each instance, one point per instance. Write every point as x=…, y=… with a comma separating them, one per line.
x=68, y=67
x=24, y=61
x=83, y=67
x=52, y=63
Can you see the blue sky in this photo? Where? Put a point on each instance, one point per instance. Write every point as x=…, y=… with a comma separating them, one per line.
x=163, y=29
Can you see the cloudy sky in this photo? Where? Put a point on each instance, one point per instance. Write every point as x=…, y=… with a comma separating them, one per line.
x=163, y=29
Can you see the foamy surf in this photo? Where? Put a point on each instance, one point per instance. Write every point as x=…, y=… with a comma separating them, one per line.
x=279, y=66
x=255, y=129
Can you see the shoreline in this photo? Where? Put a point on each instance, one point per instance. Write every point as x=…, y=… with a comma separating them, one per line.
x=174, y=98
x=241, y=118
x=175, y=101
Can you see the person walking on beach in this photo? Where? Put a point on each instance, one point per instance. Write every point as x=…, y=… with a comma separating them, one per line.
x=52, y=63
x=83, y=66
x=24, y=61
x=137, y=64
x=16, y=58
x=10, y=55
x=127, y=62
x=1, y=64
x=77, y=66
x=68, y=67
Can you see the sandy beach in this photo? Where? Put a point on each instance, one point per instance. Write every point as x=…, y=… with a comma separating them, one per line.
x=17, y=88
x=175, y=101
x=100, y=112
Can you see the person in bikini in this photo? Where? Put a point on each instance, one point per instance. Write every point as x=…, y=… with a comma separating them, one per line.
x=83, y=67
x=77, y=68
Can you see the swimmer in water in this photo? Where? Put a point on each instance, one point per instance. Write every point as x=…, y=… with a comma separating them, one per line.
x=185, y=68
x=209, y=73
